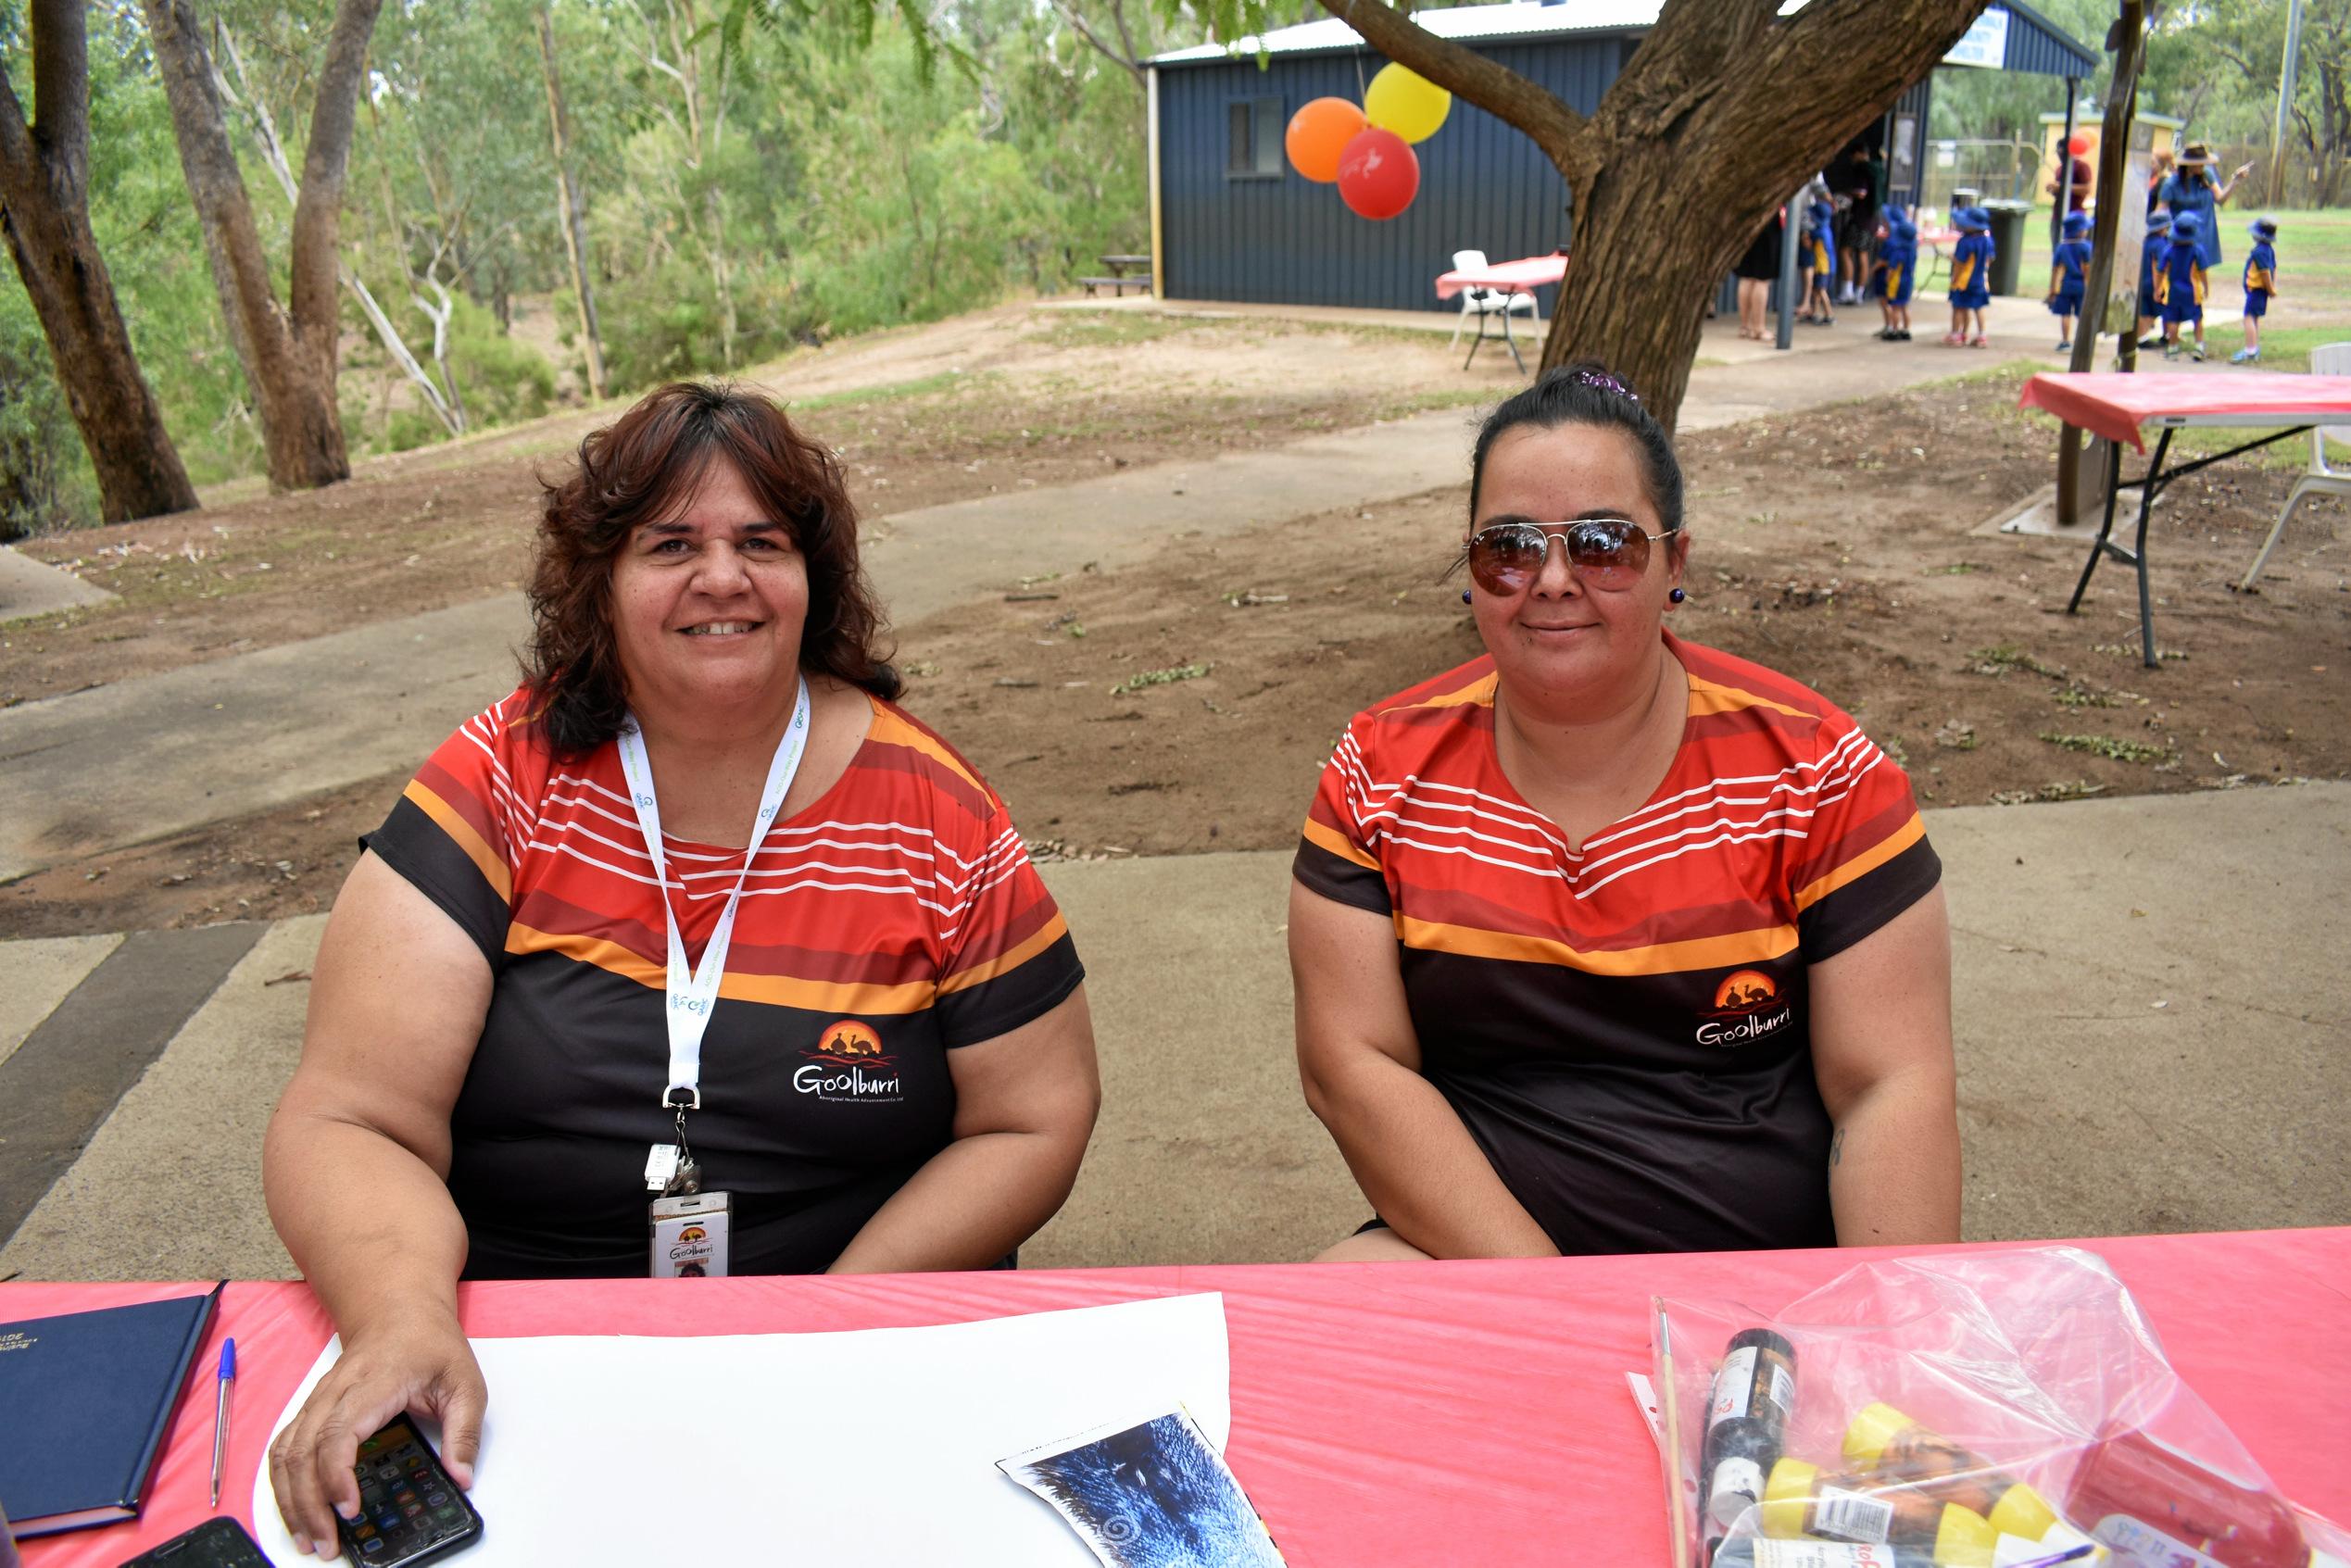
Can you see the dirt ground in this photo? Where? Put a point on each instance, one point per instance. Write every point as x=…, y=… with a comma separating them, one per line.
x=1188, y=704
x=1010, y=399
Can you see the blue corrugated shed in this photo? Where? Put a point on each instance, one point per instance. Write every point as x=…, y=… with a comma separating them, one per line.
x=1237, y=223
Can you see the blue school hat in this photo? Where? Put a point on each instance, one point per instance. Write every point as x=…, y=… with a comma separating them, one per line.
x=2187, y=228
x=2158, y=220
x=2264, y=228
x=2077, y=225
x=1969, y=220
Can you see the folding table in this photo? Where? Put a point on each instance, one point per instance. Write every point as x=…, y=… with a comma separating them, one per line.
x=1523, y=276
x=1385, y=1415
x=2118, y=406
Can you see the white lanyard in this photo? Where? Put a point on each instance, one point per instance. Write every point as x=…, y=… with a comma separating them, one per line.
x=693, y=994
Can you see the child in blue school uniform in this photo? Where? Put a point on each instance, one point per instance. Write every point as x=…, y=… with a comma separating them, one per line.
x=1817, y=257
x=2260, y=282
x=2068, y=274
x=2150, y=254
x=2183, y=284
x=1971, y=277
x=1892, y=278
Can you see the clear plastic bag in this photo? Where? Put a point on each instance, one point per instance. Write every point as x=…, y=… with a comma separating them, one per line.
x=1982, y=1409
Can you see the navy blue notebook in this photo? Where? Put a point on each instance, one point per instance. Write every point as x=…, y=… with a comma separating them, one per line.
x=85, y=1402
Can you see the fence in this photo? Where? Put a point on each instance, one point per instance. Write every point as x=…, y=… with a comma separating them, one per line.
x=2004, y=170
x=2309, y=183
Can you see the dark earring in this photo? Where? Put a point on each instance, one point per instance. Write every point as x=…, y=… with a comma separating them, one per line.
x=1464, y=596
x=1676, y=596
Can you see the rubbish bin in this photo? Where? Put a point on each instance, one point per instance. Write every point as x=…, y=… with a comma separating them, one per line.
x=2008, y=220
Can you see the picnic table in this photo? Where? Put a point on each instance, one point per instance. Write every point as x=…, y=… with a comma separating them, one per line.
x=1117, y=282
x=2119, y=405
x=1383, y=1413
x=1523, y=276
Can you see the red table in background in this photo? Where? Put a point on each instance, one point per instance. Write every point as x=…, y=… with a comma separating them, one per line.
x=1523, y=276
x=1416, y=1414
x=2117, y=405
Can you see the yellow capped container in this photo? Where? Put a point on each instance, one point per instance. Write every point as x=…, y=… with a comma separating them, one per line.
x=1965, y=1538
x=2022, y=1511
x=1874, y=1427
x=1785, y=1495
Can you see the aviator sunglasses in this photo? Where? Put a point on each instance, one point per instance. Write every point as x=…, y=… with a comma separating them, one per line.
x=1606, y=552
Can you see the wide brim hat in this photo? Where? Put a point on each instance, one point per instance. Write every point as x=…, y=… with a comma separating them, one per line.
x=2195, y=155
x=2077, y=224
x=2263, y=229
x=2187, y=226
x=2157, y=221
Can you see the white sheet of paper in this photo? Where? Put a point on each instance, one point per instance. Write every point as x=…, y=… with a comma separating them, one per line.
x=876, y=1446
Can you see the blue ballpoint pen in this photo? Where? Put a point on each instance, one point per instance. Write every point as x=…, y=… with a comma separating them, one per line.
x=220, y=1416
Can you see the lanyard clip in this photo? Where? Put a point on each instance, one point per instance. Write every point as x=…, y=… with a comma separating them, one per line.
x=682, y=1097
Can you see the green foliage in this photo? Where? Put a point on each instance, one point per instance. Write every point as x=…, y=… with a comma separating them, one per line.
x=45, y=483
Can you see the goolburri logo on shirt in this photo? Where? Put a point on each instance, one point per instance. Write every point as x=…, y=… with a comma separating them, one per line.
x=1747, y=1007
x=847, y=1065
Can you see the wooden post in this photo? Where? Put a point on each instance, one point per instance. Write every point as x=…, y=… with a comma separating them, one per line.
x=2114, y=149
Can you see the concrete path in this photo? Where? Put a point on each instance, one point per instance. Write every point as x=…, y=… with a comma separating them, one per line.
x=2151, y=1012
x=243, y=734
x=31, y=587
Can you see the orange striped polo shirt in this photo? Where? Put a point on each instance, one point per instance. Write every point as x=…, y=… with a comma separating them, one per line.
x=1623, y=1027
x=894, y=919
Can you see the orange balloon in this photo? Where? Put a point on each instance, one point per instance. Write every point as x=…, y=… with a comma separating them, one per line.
x=1318, y=133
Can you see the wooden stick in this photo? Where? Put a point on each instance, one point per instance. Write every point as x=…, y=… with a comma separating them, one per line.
x=1668, y=1397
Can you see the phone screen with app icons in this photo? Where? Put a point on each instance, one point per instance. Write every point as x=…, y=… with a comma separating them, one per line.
x=410, y=1509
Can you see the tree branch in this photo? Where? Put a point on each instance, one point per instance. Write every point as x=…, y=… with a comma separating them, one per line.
x=1125, y=38
x=1559, y=131
x=1068, y=13
x=61, y=90
x=319, y=210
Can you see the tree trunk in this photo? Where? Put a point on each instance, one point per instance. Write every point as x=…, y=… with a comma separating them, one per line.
x=44, y=214
x=292, y=352
x=1724, y=107
x=570, y=208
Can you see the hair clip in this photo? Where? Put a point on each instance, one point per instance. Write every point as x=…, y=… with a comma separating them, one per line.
x=1605, y=381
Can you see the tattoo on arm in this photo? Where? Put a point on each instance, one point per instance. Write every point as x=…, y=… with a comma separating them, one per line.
x=1837, y=1148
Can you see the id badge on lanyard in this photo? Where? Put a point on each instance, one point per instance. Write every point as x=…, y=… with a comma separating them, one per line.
x=688, y=1225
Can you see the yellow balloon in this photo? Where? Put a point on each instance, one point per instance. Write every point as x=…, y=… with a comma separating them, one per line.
x=1411, y=106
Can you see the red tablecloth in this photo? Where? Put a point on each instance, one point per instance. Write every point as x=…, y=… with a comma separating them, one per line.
x=1414, y=1414
x=1523, y=276
x=2113, y=405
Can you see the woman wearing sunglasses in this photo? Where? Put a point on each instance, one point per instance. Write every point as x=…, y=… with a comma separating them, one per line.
x=1606, y=942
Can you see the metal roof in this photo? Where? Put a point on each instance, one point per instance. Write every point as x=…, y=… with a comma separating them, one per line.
x=2038, y=45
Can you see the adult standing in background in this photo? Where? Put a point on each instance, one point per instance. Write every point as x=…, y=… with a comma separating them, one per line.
x=1756, y=269
x=1856, y=182
x=2160, y=172
x=2192, y=189
x=2080, y=178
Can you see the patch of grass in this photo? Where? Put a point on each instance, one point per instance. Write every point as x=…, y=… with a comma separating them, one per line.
x=2074, y=696
x=2077, y=789
x=893, y=392
x=1167, y=677
x=2113, y=748
x=1956, y=569
x=1080, y=329
x=1997, y=661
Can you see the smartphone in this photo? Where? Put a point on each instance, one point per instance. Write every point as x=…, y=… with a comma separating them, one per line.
x=410, y=1509
x=216, y=1543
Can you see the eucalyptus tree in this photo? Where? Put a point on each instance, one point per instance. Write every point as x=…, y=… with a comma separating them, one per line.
x=45, y=216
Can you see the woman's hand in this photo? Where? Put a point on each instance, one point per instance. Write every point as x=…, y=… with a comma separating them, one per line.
x=422, y=1365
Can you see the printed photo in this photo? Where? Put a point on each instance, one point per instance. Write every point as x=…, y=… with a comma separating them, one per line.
x=1152, y=1495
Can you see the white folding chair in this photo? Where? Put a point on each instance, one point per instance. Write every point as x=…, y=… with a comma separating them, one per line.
x=2327, y=359
x=1482, y=303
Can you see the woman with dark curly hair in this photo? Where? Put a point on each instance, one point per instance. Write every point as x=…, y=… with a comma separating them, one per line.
x=695, y=911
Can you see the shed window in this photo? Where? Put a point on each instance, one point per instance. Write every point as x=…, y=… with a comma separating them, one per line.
x=1253, y=139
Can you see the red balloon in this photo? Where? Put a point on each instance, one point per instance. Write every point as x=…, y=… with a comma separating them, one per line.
x=1378, y=174
x=2078, y=147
